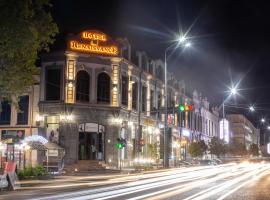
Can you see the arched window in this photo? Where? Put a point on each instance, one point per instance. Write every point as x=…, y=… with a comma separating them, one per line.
x=103, y=88
x=159, y=73
x=82, y=86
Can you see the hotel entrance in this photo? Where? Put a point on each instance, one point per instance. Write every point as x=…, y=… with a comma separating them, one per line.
x=91, y=142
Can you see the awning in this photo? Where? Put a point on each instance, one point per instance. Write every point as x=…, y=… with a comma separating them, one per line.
x=43, y=147
x=37, y=146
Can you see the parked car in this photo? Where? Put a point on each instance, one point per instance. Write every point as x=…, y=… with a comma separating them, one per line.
x=218, y=161
x=207, y=162
x=183, y=163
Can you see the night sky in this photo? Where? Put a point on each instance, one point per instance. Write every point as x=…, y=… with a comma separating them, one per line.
x=231, y=40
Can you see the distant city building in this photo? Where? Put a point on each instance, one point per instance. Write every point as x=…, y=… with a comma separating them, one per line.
x=243, y=130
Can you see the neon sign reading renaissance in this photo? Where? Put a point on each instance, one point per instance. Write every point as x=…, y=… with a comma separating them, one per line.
x=93, y=46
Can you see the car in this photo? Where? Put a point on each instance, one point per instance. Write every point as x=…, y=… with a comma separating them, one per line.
x=218, y=161
x=207, y=162
x=183, y=163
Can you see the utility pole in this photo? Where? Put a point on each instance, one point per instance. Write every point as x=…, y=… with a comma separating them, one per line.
x=166, y=158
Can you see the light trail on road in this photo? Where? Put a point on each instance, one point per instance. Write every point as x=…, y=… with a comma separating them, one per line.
x=193, y=183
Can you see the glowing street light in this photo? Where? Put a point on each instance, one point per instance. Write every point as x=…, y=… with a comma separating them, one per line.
x=251, y=108
x=233, y=90
x=188, y=44
x=268, y=127
x=182, y=39
x=262, y=120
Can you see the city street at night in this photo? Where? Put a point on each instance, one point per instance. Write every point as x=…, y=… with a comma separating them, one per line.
x=228, y=181
x=134, y=100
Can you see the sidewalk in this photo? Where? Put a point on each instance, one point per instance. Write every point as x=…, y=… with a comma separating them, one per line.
x=86, y=178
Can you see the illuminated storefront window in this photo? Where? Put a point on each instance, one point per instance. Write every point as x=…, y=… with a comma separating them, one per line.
x=224, y=130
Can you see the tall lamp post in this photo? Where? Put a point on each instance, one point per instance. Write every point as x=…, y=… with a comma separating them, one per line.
x=268, y=128
x=182, y=40
x=233, y=92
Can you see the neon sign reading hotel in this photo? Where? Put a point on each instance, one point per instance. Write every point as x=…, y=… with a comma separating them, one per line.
x=93, y=46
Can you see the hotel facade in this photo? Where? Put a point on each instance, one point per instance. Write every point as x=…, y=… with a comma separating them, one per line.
x=98, y=90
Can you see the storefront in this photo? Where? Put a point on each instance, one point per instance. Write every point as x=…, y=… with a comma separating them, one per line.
x=91, y=141
x=12, y=148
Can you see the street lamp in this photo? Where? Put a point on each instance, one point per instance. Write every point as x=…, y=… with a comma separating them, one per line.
x=251, y=108
x=262, y=120
x=182, y=41
x=233, y=92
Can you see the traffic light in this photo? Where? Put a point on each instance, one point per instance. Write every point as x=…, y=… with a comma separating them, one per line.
x=183, y=108
x=121, y=143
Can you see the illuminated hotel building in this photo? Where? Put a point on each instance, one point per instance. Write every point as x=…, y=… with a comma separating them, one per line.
x=92, y=94
x=98, y=90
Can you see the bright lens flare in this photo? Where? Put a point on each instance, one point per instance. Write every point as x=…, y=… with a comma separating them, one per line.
x=251, y=108
x=188, y=44
x=182, y=39
x=233, y=91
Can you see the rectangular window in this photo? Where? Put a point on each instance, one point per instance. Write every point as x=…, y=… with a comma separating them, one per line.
x=5, y=113
x=53, y=83
x=144, y=90
x=125, y=90
x=134, y=95
x=22, y=117
x=152, y=100
x=159, y=100
x=213, y=134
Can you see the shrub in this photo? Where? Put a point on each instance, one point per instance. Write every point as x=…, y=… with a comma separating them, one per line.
x=30, y=172
x=39, y=171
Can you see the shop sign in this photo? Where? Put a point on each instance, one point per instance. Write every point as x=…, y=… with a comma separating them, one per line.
x=91, y=127
x=52, y=152
x=149, y=122
x=3, y=181
x=170, y=119
x=186, y=132
x=9, y=169
x=12, y=136
x=93, y=42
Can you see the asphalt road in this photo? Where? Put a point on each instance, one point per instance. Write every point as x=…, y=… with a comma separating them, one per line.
x=245, y=181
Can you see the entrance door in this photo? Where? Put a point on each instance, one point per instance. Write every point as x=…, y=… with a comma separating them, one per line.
x=91, y=146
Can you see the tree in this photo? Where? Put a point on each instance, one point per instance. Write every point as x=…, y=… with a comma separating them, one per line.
x=237, y=148
x=254, y=150
x=26, y=27
x=204, y=147
x=217, y=146
x=196, y=149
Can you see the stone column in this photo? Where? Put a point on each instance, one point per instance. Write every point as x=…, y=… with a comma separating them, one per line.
x=148, y=97
x=70, y=73
x=115, y=94
x=130, y=82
